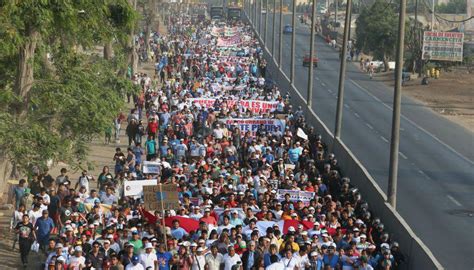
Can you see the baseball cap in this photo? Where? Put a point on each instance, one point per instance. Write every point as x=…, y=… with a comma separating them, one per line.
x=148, y=245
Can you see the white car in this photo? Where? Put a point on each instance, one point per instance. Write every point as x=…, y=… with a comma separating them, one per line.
x=264, y=11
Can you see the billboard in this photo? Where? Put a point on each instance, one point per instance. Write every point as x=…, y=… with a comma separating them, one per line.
x=442, y=46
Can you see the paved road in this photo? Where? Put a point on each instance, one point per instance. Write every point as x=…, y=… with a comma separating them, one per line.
x=436, y=175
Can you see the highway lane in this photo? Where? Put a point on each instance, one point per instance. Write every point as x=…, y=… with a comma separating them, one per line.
x=434, y=177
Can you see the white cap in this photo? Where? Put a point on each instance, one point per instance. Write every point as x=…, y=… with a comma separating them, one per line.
x=316, y=223
x=291, y=229
x=314, y=253
x=200, y=249
x=363, y=236
x=148, y=245
x=78, y=249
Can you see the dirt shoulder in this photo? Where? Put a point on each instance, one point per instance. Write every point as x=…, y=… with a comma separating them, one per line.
x=452, y=95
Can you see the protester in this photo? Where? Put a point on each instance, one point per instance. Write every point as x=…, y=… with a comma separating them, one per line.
x=250, y=184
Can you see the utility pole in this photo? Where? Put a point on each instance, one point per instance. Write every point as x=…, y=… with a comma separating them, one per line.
x=293, y=43
x=280, y=36
x=273, y=28
x=342, y=71
x=265, y=27
x=397, y=97
x=335, y=16
x=309, y=94
x=432, y=14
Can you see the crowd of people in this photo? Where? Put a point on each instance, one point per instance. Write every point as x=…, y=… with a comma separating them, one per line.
x=258, y=188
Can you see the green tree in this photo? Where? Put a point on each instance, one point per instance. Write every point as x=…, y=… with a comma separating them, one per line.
x=376, y=31
x=452, y=7
x=54, y=98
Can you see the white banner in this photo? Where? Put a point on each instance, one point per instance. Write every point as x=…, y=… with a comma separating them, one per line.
x=152, y=167
x=135, y=187
x=253, y=124
x=256, y=106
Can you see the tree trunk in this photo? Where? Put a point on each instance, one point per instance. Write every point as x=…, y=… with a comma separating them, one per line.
x=385, y=63
x=24, y=78
x=108, y=50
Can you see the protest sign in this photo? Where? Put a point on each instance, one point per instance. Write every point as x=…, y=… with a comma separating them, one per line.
x=135, y=187
x=256, y=106
x=253, y=124
x=152, y=167
x=229, y=41
x=444, y=46
x=295, y=195
x=300, y=133
x=154, y=198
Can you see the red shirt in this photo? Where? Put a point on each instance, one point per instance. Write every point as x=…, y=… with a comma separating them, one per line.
x=152, y=127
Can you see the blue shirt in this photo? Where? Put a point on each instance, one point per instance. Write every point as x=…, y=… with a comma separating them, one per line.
x=151, y=147
x=44, y=226
x=250, y=260
x=178, y=233
x=163, y=260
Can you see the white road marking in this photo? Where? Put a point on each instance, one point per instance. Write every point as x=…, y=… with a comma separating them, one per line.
x=323, y=84
x=317, y=78
x=384, y=139
x=329, y=90
x=402, y=155
x=369, y=126
x=424, y=174
x=347, y=106
x=357, y=115
x=454, y=200
x=416, y=125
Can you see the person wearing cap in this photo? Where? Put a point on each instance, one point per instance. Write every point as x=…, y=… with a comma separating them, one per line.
x=199, y=261
x=136, y=241
x=331, y=258
x=77, y=261
x=43, y=227
x=289, y=243
x=58, y=251
x=207, y=218
x=149, y=258
x=251, y=257
x=134, y=264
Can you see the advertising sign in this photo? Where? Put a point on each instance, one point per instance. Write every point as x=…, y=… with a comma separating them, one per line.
x=443, y=46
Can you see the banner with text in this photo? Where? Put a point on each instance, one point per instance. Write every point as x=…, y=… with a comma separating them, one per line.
x=256, y=106
x=152, y=167
x=253, y=124
x=443, y=46
x=153, y=197
x=295, y=195
x=135, y=187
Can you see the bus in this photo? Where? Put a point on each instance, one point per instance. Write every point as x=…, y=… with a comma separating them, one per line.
x=234, y=13
x=217, y=12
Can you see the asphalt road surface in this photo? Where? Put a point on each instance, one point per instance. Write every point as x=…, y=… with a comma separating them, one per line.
x=436, y=168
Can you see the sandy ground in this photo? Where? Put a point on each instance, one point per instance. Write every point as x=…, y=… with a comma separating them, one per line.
x=452, y=95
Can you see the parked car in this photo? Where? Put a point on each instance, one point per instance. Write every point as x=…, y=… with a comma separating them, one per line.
x=288, y=29
x=306, y=61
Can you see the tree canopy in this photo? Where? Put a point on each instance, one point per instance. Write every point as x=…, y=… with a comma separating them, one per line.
x=56, y=94
x=452, y=7
x=376, y=30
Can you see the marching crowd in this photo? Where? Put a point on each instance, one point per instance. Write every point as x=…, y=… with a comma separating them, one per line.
x=208, y=117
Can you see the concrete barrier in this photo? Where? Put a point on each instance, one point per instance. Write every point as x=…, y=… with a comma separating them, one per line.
x=418, y=256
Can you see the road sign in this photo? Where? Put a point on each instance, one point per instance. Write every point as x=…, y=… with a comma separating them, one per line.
x=165, y=199
x=443, y=46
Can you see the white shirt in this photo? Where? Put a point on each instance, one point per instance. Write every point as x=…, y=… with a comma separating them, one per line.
x=289, y=264
x=198, y=262
x=302, y=261
x=130, y=266
x=276, y=266
x=213, y=263
x=75, y=262
x=148, y=259
x=231, y=261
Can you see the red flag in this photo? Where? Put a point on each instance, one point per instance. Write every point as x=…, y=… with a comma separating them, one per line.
x=188, y=224
x=152, y=219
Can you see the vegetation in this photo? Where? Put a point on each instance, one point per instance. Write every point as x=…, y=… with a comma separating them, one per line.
x=376, y=31
x=55, y=95
x=452, y=7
